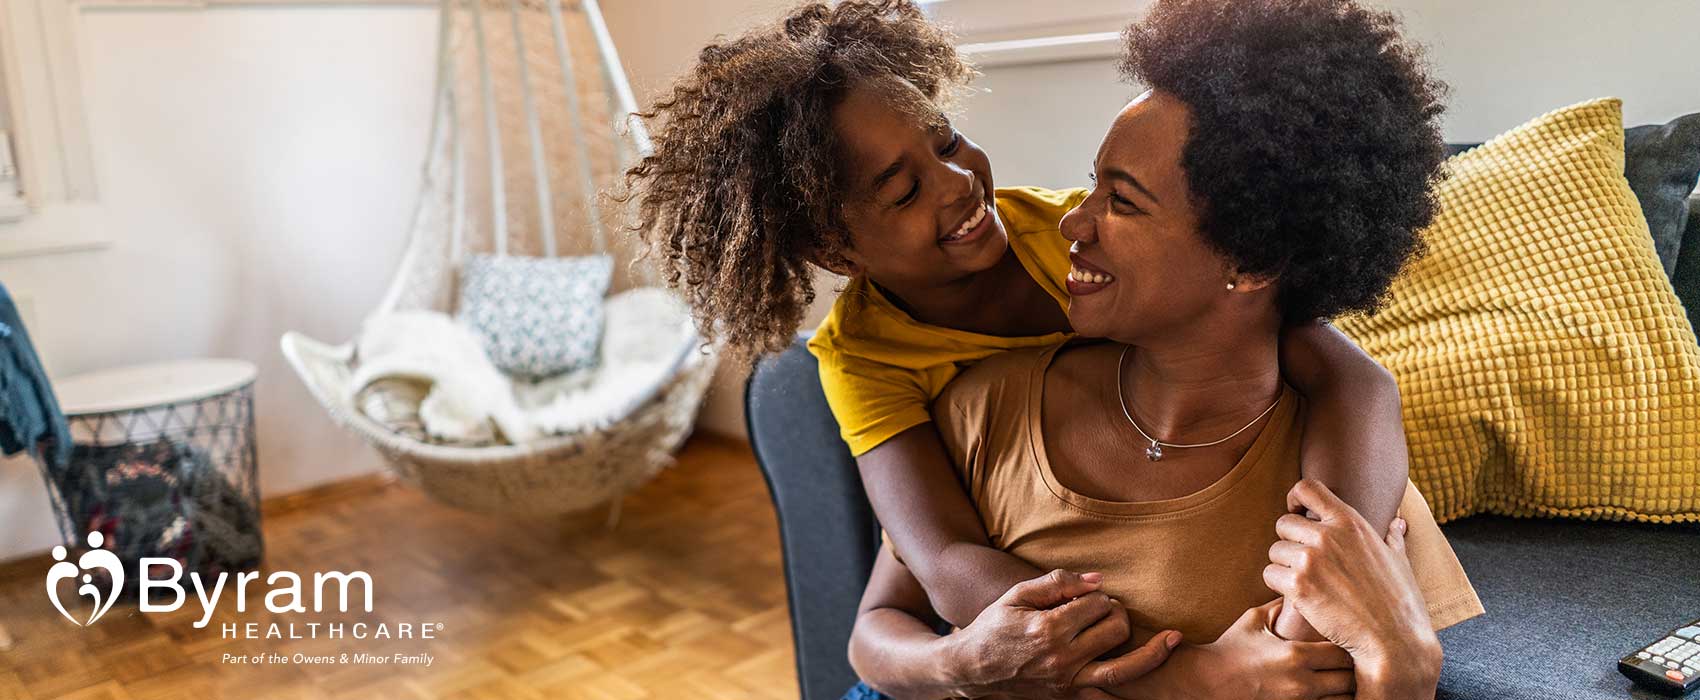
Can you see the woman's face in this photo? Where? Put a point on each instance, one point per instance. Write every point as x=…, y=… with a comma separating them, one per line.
x=918, y=196
x=1141, y=268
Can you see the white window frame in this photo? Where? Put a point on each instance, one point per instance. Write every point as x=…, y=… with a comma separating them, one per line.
x=48, y=131
x=1022, y=32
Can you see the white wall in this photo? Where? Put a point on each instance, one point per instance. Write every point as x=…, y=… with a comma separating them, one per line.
x=1510, y=60
x=257, y=166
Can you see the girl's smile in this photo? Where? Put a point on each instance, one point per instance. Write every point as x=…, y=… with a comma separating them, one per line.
x=970, y=230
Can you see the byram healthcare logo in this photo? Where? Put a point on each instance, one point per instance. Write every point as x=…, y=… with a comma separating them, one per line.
x=95, y=558
x=287, y=594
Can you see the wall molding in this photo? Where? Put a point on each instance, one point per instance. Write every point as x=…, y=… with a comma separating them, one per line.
x=14, y=246
x=1018, y=32
x=64, y=227
x=1044, y=49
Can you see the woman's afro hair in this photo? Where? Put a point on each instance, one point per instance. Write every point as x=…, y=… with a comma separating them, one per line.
x=1314, y=141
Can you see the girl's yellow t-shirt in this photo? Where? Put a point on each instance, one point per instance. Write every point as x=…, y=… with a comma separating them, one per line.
x=881, y=369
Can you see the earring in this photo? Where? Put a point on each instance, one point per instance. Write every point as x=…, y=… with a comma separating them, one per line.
x=1230, y=285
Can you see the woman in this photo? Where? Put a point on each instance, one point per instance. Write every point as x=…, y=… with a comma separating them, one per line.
x=821, y=141
x=1280, y=167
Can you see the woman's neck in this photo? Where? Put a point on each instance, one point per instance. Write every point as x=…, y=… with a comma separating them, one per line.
x=1198, y=389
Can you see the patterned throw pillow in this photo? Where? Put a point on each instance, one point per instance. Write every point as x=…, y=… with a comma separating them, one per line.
x=1545, y=363
x=1661, y=162
x=538, y=317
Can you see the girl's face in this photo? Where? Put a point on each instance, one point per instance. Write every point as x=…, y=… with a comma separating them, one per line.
x=918, y=195
x=1141, y=268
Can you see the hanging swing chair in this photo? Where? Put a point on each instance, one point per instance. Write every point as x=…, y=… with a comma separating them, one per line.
x=532, y=120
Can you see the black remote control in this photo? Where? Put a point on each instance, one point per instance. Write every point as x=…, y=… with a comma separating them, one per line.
x=1670, y=665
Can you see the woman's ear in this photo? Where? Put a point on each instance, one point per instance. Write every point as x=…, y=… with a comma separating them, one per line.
x=1252, y=284
x=1243, y=283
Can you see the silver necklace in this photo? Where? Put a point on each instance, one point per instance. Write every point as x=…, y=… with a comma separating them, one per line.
x=1155, y=451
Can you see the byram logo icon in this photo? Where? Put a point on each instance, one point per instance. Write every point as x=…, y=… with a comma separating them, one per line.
x=95, y=558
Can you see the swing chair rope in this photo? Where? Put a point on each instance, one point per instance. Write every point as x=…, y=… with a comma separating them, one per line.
x=498, y=186
x=575, y=115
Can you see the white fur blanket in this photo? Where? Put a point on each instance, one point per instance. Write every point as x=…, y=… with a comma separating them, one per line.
x=647, y=337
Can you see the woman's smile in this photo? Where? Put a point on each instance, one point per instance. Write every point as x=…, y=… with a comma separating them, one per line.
x=1085, y=278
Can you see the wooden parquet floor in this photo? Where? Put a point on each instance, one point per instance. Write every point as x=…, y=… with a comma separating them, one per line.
x=685, y=599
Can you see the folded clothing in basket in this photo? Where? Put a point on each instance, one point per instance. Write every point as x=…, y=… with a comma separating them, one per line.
x=163, y=498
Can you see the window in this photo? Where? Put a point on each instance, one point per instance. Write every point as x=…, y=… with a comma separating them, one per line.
x=12, y=204
x=47, y=185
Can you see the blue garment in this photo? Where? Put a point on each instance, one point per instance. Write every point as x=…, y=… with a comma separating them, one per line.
x=863, y=692
x=29, y=415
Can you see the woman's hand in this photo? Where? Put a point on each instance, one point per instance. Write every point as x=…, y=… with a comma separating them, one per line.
x=1356, y=588
x=1034, y=639
x=1248, y=662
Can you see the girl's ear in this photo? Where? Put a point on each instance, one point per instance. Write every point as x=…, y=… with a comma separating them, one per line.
x=843, y=268
x=843, y=264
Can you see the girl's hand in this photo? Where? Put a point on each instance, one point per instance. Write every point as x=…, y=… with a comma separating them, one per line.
x=1034, y=639
x=1248, y=662
x=1356, y=588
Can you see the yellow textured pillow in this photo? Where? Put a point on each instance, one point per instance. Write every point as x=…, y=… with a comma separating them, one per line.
x=1546, y=365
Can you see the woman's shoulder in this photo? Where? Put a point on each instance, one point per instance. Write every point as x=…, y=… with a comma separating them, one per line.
x=1082, y=359
x=980, y=413
x=997, y=383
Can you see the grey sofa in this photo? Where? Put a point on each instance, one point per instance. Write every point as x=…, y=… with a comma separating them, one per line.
x=1564, y=599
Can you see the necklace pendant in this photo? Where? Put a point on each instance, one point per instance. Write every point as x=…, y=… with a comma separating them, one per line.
x=1154, y=452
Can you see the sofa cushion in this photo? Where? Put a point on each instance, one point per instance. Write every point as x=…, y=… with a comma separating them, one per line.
x=1546, y=365
x=1686, y=278
x=1662, y=163
x=1564, y=601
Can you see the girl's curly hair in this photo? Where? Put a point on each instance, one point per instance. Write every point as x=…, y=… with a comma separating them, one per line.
x=740, y=195
x=1314, y=144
